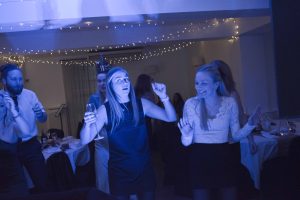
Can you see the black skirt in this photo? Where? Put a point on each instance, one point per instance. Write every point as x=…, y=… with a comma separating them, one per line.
x=212, y=166
x=124, y=186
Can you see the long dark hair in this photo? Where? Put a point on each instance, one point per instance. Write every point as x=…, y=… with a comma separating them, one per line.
x=226, y=74
x=143, y=85
x=178, y=103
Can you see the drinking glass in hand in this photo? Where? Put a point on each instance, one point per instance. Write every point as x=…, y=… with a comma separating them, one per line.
x=90, y=107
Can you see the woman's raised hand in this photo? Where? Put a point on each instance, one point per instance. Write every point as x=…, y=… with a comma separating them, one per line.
x=184, y=127
x=159, y=89
x=254, y=118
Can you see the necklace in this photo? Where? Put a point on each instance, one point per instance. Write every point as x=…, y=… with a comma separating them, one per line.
x=124, y=107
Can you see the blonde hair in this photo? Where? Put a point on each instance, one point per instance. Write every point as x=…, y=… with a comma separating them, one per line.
x=214, y=73
x=116, y=111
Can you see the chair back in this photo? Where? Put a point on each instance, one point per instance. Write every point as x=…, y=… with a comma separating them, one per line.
x=60, y=172
x=294, y=162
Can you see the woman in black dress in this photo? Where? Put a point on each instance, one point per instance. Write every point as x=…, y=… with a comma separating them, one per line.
x=129, y=166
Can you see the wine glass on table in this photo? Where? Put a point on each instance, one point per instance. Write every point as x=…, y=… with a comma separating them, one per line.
x=90, y=107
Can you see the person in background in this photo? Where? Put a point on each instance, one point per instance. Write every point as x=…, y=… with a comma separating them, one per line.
x=179, y=153
x=229, y=82
x=207, y=119
x=99, y=96
x=101, y=146
x=143, y=89
x=123, y=115
x=178, y=103
x=31, y=109
x=170, y=145
x=12, y=181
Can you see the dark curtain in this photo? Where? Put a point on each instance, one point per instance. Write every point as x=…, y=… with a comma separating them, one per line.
x=80, y=83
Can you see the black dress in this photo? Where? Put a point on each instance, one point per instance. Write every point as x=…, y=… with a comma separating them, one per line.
x=129, y=166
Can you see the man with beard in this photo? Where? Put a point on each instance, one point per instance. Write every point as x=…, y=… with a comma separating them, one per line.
x=29, y=107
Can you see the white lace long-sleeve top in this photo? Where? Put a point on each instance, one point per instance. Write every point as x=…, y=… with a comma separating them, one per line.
x=218, y=127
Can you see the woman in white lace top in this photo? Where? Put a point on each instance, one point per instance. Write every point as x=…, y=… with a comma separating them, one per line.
x=207, y=119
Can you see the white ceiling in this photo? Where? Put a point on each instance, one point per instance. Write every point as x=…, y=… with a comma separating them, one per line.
x=43, y=26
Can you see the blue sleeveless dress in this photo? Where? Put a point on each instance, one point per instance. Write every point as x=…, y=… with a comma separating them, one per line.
x=129, y=167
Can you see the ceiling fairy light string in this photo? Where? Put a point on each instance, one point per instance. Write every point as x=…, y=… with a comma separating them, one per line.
x=153, y=53
x=149, y=53
x=236, y=32
x=191, y=27
x=178, y=34
x=19, y=60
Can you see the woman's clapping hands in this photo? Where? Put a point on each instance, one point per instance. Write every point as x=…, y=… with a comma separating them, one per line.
x=254, y=118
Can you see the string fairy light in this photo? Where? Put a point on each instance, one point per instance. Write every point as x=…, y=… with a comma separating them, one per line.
x=192, y=27
x=146, y=54
x=19, y=60
x=236, y=32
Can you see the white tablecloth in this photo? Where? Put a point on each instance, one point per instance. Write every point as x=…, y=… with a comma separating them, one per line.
x=268, y=147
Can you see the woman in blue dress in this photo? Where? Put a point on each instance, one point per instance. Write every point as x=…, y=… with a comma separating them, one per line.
x=123, y=115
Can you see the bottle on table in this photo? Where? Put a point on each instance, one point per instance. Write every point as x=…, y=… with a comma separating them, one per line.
x=44, y=137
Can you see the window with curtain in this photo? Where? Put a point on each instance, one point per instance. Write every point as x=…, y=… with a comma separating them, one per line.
x=80, y=83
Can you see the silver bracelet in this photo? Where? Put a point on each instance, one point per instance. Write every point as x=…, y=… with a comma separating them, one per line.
x=18, y=115
x=165, y=99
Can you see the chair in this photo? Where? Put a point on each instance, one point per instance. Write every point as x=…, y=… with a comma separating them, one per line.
x=280, y=177
x=294, y=166
x=85, y=175
x=245, y=185
x=60, y=172
x=59, y=132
